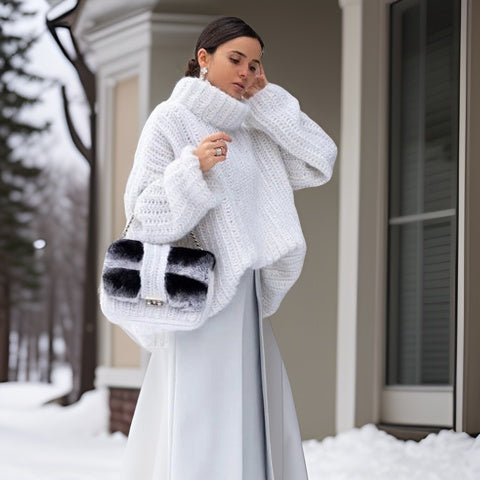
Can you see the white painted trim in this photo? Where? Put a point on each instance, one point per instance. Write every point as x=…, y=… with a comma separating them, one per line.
x=426, y=406
x=105, y=193
x=348, y=3
x=349, y=213
x=136, y=64
x=168, y=23
x=118, y=377
x=143, y=31
x=112, y=47
x=107, y=79
x=93, y=11
x=461, y=219
x=109, y=74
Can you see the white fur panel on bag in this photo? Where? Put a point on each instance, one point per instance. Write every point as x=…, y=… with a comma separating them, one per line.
x=152, y=271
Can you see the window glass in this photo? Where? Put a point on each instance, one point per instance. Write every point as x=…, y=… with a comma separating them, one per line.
x=423, y=165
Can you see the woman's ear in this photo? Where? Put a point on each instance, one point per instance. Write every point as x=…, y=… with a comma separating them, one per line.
x=202, y=57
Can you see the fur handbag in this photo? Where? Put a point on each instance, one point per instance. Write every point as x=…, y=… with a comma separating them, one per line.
x=148, y=288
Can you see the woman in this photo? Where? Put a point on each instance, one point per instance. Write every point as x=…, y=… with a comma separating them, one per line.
x=221, y=157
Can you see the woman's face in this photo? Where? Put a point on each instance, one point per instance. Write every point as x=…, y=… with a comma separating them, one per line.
x=234, y=66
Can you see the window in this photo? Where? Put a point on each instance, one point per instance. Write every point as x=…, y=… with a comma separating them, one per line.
x=423, y=165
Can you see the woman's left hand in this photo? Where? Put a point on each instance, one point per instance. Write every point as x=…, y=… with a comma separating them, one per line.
x=259, y=83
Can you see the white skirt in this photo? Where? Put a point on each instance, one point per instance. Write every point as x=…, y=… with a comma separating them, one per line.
x=200, y=413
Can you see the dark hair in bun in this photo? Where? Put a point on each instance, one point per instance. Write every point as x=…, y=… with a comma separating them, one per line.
x=217, y=33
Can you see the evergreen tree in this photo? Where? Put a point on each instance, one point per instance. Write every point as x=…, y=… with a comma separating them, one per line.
x=18, y=275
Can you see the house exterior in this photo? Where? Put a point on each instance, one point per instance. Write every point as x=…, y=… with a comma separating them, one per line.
x=365, y=71
x=407, y=68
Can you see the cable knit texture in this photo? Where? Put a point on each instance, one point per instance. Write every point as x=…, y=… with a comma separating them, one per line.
x=242, y=209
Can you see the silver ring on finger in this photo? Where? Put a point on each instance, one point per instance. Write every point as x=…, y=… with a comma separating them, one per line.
x=218, y=152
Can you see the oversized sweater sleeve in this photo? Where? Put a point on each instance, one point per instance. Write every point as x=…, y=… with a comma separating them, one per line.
x=167, y=194
x=308, y=152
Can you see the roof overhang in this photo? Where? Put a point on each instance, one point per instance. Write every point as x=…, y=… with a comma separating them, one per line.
x=92, y=14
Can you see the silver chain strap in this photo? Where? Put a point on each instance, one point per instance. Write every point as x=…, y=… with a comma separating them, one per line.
x=195, y=241
x=127, y=226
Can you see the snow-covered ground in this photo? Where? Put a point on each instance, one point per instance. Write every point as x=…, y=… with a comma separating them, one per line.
x=41, y=441
x=370, y=454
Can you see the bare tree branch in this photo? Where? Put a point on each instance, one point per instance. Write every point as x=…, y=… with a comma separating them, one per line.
x=77, y=141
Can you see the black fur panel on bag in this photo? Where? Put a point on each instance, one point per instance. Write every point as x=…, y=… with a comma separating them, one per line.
x=188, y=257
x=185, y=293
x=126, y=249
x=121, y=282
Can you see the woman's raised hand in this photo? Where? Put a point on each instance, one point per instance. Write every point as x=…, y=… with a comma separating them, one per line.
x=259, y=83
x=212, y=149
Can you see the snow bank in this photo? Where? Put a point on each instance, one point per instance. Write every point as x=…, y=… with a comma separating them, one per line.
x=72, y=443
x=59, y=443
x=86, y=418
x=368, y=453
x=22, y=395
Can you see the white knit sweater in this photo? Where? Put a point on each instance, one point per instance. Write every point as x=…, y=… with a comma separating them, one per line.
x=242, y=209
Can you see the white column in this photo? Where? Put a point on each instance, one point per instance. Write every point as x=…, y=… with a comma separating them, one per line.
x=462, y=142
x=349, y=212
x=154, y=48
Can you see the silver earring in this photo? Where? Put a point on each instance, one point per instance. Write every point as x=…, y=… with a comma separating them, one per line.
x=203, y=73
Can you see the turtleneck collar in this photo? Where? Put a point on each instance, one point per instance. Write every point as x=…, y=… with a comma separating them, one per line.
x=210, y=103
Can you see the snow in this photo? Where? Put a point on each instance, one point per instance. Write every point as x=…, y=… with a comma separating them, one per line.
x=23, y=395
x=367, y=453
x=50, y=442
